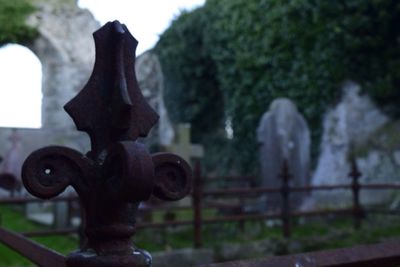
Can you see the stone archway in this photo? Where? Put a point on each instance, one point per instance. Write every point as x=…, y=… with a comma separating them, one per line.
x=66, y=50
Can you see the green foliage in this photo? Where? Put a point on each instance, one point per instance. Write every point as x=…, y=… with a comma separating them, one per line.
x=191, y=88
x=14, y=220
x=263, y=49
x=13, y=28
x=385, y=139
x=316, y=234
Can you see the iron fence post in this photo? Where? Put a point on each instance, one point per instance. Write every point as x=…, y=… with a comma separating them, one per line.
x=357, y=212
x=285, y=191
x=196, y=202
x=118, y=172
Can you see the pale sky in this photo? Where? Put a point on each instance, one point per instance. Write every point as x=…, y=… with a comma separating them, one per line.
x=20, y=79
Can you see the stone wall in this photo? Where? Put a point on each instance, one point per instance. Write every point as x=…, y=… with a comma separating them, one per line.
x=65, y=47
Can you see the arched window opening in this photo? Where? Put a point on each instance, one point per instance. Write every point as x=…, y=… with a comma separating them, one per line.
x=20, y=87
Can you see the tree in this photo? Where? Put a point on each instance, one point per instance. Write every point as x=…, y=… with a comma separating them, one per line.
x=301, y=49
x=191, y=88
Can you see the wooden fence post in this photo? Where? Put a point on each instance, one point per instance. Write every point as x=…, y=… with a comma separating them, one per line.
x=355, y=187
x=196, y=202
x=285, y=190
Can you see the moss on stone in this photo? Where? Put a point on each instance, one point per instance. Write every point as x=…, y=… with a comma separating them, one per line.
x=386, y=139
x=13, y=27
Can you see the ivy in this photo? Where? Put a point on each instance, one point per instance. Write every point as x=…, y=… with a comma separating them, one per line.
x=253, y=51
x=13, y=28
x=191, y=88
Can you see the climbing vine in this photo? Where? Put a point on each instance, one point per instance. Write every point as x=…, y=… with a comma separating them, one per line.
x=262, y=49
x=13, y=28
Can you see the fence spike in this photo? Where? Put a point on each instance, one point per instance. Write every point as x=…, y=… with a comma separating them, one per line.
x=118, y=173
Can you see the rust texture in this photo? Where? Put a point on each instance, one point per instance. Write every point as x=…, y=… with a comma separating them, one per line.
x=380, y=255
x=196, y=203
x=33, y=251
x=118, y=172
x=9, y=182
x=355, y=175
x=285, y=191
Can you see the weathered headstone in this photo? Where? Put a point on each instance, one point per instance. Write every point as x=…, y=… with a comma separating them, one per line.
x=13, y=159
x=355, y=126
x=11, y=170
x=283, y=134
x=60, y=213
x=182, y=145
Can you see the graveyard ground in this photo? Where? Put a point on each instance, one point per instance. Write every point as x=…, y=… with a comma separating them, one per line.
x=12, y=218
x=315, y=234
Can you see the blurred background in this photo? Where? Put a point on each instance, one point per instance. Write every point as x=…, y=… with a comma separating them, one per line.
x=255, y=94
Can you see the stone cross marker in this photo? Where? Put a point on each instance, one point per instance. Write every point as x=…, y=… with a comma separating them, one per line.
x=182, y=145
x=283, y=134
x=13, y=158
x=10, y=173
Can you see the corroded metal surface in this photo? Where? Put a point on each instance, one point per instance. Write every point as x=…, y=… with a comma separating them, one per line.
x=9, y=182
x=285, y=191
x=118, y=173
x=380, y=255
x=197, y=206
x=355, y=175
x=35, y=252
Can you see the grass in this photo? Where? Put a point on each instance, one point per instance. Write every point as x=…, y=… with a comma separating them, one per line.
x=315, y=234
x=13, y=219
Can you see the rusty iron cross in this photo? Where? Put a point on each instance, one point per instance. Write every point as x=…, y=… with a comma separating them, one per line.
x=118, y=173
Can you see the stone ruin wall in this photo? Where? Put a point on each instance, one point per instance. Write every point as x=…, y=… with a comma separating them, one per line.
x=65, y=48
x=355, y=126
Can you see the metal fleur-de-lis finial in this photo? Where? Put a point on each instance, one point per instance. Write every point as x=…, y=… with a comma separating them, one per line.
x=111, y=107
x=118, y=173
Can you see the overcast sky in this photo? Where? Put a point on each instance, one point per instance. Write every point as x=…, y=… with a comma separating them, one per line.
x=20, y=80
x=145, y=19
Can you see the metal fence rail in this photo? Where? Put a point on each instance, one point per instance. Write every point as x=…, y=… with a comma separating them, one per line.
x=379, y=255
x=199, y=204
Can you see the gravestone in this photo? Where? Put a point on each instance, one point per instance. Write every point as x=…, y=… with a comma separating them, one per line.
x=55, y=214
x=13, y=158
x=11, y=165
x=355, y=126
x=182, y=145
x=186, y=150
x=283, y=134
